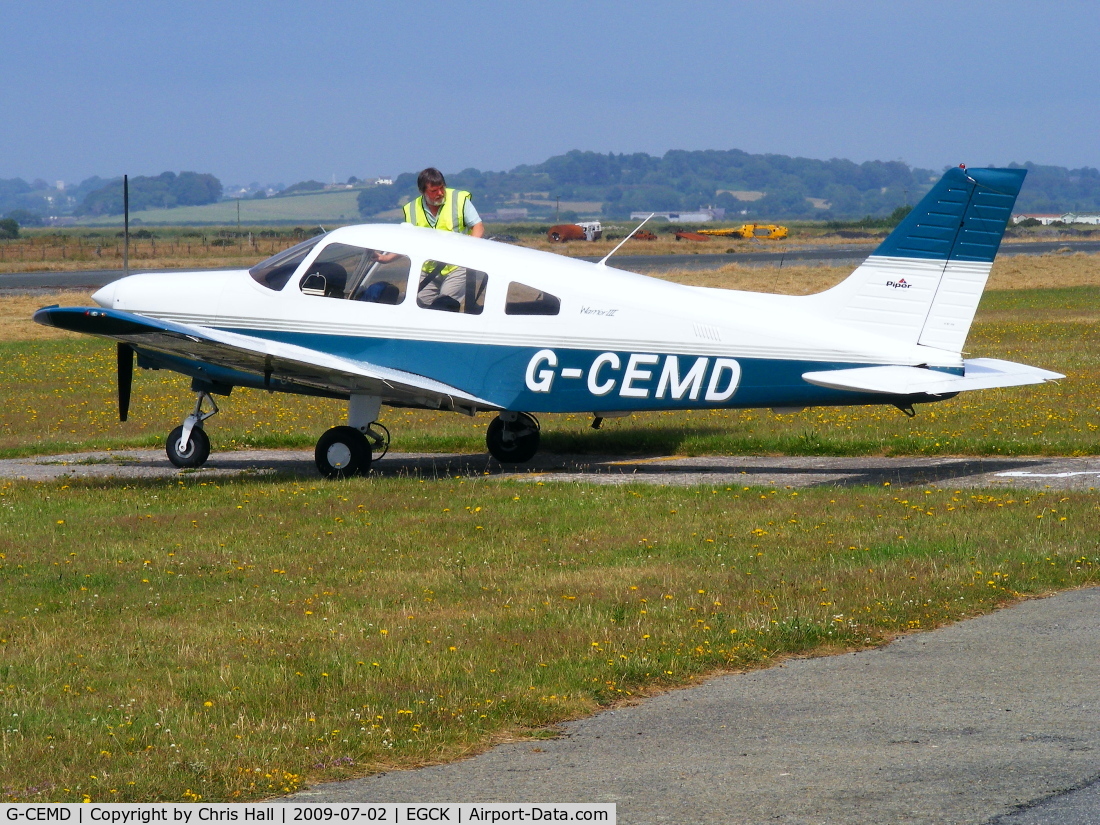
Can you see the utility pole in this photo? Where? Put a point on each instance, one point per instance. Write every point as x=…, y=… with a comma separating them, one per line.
x=125, y=224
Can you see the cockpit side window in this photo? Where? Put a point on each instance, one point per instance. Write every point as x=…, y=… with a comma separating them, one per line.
x=357, y=273
x=386, y=279
x=451, y=288
x=333, y=270
x=527, y=300
x=276, y=270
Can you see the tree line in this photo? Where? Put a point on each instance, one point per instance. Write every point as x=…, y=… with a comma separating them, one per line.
x=756, y=187
x=165, y=191
x=681, y=180
x=30, y=203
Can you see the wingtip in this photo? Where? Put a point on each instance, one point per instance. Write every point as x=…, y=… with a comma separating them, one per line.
x=44, y=316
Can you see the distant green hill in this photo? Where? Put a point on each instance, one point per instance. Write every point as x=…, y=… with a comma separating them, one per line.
x=761, y=187
x=753, y=187
x=337, y=206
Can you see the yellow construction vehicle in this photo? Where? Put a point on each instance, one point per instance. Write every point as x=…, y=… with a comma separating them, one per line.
x=764, y=231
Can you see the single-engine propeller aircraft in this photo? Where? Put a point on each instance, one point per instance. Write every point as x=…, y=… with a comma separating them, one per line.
x=359, y=313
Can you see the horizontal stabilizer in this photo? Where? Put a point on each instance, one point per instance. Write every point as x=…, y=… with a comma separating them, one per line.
x=980, y=374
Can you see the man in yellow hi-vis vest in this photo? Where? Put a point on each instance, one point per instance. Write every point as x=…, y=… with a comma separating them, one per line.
x=442, y=286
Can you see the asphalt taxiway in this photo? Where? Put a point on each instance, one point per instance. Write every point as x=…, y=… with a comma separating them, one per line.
x=991, y=720
x=1079, y=473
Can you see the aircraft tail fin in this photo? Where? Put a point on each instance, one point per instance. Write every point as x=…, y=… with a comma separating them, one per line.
x=923, y=283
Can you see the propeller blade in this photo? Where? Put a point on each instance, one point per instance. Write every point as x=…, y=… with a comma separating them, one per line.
x=125, y=357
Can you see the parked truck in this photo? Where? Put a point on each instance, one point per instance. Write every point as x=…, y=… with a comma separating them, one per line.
x=580, y=231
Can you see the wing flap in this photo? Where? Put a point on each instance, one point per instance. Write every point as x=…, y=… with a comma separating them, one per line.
x=273, y=360
x=979, y=374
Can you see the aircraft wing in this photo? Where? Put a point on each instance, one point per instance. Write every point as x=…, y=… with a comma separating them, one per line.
x=980, y=374
x=280, y=366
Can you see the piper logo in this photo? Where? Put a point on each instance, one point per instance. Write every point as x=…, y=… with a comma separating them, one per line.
x=641, y=376
x=900, y=283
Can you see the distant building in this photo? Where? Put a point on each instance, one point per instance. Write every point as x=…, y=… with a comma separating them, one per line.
x=1044, y=219
x=700, y=216
x=384, y=182
x=506, y=215
x=1047, y=219
x=1074, y=217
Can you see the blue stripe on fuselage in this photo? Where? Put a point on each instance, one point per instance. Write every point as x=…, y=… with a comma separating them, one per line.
x=527, y=379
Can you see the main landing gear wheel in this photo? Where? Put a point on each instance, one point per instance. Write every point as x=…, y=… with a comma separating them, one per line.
x=192, y=454
x=513, y=438
x=188, y=445
x=342, y=452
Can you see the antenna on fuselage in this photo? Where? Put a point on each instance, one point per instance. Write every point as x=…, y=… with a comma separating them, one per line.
x=603, y=261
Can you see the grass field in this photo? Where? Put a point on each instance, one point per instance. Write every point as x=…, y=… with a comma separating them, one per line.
x=340, y=205
x=194, y=639
x=179, y=640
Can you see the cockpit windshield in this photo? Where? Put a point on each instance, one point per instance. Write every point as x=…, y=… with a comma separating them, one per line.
x=276, y=270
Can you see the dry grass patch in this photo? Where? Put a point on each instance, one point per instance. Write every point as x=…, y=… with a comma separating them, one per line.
x=790, y=280
x=1009, y=272
x=17, y=311
x=218, y=261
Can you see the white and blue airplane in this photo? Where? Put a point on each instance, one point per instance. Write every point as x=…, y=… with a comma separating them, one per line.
x=411, y=317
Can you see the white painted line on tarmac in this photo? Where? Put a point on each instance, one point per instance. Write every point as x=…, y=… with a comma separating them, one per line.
x=1026, y=473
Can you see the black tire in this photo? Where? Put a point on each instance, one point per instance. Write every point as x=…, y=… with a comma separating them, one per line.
x=513, y=442
x=342, y=452
x=196, y=453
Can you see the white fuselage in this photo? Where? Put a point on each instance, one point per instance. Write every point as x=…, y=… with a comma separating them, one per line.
x=641, y=321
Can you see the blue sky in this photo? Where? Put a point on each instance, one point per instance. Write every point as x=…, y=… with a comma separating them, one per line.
x=281, y=91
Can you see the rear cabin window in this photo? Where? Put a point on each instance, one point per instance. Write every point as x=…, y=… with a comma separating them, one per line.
x=527, y=300
x=276, y=270
x=358, y=274
x=451, y=288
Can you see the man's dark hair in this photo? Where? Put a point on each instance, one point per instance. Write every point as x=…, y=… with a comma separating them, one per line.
x=429, y=177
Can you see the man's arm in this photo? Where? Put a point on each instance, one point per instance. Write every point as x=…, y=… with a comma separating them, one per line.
x=472, y=219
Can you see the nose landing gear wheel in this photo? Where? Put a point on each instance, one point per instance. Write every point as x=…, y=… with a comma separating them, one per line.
x=513, y=438
x=193, y=454
x=342, y=452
